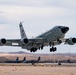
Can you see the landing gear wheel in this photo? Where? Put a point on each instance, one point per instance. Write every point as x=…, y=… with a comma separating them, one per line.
x=33, y=50
x=41, y=47
x=53, y=49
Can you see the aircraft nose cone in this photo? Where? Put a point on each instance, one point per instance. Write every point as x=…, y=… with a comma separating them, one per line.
x=65, y=29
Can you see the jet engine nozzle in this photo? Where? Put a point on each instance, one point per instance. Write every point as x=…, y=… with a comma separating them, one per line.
x=3, y=41
x=74, y=40
x=25, y=40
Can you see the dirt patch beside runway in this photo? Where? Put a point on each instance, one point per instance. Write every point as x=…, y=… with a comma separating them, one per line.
x=37, y=70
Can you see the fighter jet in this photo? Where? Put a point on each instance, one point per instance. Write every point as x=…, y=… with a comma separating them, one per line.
x=52, y=37
x=33, y=61
x=16, y=61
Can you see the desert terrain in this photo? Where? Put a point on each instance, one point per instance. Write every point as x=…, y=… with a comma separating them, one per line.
x=39, y=68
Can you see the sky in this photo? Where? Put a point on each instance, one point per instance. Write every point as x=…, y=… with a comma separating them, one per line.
x=37, y=16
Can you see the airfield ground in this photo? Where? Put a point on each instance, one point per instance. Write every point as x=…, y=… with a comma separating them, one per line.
x=38, y=69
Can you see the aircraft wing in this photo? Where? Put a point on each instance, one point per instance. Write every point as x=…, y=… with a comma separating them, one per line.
x=10, y=42
x=70, y=41
x=36, y=42
x=19, y=42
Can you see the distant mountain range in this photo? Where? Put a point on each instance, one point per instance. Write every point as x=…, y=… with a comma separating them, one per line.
x=22, y=52
x=29, y=56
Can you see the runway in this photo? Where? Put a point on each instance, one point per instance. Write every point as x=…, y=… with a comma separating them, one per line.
x=39, y=64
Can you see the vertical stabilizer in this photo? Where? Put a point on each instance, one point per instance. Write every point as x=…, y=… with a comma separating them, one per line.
x=22, y=32
x=24, y=59
x=38, y=59
x=17, y=59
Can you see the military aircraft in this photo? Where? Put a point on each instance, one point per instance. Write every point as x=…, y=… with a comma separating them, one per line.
x=33, y=61
x=16, y=61
x=52, y=37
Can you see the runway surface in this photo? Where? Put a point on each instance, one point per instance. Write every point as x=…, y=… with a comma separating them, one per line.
x=37, y=69
x=39, y=64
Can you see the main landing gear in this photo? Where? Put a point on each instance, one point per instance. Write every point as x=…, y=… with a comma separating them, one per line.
x=53, y=49
x=33, y=50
